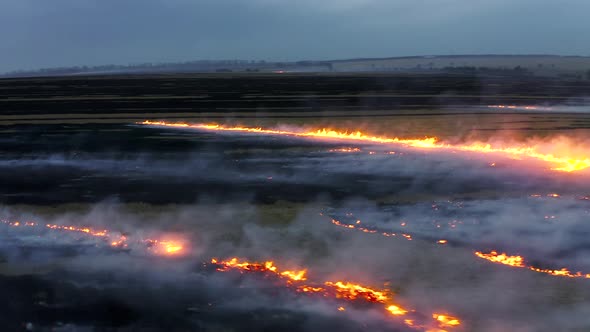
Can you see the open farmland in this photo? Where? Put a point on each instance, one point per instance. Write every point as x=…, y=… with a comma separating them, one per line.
x=106, y=216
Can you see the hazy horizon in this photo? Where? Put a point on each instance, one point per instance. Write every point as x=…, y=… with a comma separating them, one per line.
x=89, y=32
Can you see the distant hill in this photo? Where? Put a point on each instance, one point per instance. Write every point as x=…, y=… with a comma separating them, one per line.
x=539, y=65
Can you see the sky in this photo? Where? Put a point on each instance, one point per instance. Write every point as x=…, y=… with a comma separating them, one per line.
x=41, y=33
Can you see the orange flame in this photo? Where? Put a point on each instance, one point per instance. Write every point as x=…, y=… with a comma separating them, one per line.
x=19, y=224
x=295, y=275
x=268, y=266
x=559, y=163
x=351, y=291
x=333, y=289
x=121, y=242
x=446, y=321
x=157, y=247
x=86, y=230
x=373, y=231
x=518, y=261
x=396, y=311
x=168, y=248
x=345, y=150
x=493, y=256
x=521, y=107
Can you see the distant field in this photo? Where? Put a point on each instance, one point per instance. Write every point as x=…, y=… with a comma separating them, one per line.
x=405, y=105
x=78, y=120
x=544, y=65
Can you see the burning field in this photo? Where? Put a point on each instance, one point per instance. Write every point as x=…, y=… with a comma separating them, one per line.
x=557, y=158
x=351, y=263
x=286, y=222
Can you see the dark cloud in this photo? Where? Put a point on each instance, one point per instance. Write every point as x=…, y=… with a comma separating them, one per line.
x=67, y=32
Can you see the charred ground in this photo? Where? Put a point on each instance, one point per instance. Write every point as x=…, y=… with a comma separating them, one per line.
x=218, y=95
x=72, y=140
x=68, y=143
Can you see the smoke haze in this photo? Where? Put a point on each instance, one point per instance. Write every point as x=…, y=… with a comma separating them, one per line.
x=432, y=193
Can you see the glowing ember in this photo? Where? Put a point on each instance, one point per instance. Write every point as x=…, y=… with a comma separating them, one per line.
x=345, y=150
x=446, y=321
x=115, y=240
x=298, y=275
x=19, y=224
x=340, y=290
x=493, y=256
x=367, y=230
x=518, y=261
x=259, y=267
x=78, y=229
x=351, y=291
x=396, y=311
x=295, y=279
x=521, y=107
x=121, y=242
x=169, y=248
x=514, y=107
x=308, y=289
x=564, y=163
x=374, y=231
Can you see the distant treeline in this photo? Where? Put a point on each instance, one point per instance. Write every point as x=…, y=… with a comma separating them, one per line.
x=522, y=68
x=177, y=67
x=517, y=70
x=238, y=66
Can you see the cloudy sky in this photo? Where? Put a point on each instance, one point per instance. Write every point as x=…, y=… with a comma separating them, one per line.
x=42, y=33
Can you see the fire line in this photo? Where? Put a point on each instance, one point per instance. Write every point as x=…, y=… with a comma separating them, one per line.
x=558, y=163
x=157, y=247
x=295, y=279
x=493, y=256
x=519, y=262
x=340, y=290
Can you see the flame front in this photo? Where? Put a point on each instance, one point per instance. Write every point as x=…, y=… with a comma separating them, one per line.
x=563, y=163
x=493, y=256
x=363, y=229
x=339, y=290
x=345, y=150
x=294, y=279
x=100, y=233
x=521, y=107
x=518, y=261
x=167, y=247
x=115, y=240
x=351, y=291
x=446, y=320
